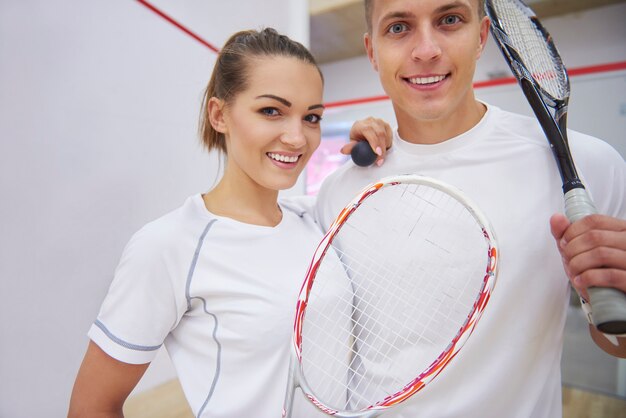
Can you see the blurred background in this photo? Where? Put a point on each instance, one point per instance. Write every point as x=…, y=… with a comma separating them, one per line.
x=99, y=102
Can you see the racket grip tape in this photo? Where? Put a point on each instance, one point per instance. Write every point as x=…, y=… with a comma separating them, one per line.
x=578, y=204
x=608, y=309
x=608, y=305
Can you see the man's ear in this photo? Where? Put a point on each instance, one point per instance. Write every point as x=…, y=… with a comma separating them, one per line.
x=369, y=47
x=484, y=35
x=215, y=111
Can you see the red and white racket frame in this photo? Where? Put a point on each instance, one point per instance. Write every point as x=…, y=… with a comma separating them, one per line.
x=457, y=342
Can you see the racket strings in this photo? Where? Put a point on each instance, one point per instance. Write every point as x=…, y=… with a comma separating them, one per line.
x=390, y=295
x=536, y=51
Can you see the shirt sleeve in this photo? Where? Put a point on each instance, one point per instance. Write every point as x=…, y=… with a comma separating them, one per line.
x=140, y=308
x=603, y=171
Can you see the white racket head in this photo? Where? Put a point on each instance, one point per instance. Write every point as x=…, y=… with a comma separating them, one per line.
x=394, y=290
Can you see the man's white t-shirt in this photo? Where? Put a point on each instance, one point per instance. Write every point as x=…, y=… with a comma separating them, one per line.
x=510, y=367
x=221, y=296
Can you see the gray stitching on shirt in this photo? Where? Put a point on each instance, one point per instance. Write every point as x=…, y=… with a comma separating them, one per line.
x=218, y=361
x=192, y=268
x=204, y=307
x=125, y=343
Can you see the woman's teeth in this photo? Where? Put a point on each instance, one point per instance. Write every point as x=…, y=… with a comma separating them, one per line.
x=283, y=158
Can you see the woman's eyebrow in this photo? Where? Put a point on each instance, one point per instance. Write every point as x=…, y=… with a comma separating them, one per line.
x=277, y=98
x=287, y=102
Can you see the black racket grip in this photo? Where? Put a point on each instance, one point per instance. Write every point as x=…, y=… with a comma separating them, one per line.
x=608, y=305
x=362, y=154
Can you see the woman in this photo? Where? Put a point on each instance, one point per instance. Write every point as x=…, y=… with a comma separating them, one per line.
x=216, y=280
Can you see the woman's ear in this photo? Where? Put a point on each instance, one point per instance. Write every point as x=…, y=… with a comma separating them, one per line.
x=215, y=111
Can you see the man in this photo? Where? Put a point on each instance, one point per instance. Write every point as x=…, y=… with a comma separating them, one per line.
x=425, y=53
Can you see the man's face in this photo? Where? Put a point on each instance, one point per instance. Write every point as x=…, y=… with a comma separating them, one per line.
x=425, y=52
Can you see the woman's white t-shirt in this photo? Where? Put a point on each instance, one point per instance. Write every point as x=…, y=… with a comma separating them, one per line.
x=221, y=296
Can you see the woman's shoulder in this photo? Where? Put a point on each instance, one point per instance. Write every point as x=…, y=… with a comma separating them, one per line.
x=299, y=205
x=173, y=228
x=301, y=208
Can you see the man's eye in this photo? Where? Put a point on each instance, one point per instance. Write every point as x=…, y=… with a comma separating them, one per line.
x=397, y=28
x=451, y=20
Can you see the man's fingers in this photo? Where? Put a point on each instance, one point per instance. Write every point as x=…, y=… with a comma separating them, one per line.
x=591, y=240
x=594, y=222
x=558, y=226
x=596, y=258
x=602, y=277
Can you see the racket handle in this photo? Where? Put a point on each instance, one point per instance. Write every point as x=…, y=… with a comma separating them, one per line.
x=578, y=204
x=362, y=154
x=608, y=308
x=291, y=388
x=608, y=305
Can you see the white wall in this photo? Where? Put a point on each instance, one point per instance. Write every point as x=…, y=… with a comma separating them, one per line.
x=98, y=114
x=598, y=102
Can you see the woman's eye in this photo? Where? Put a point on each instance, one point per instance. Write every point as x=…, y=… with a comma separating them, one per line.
x=313, y=118
x=397, y=28
x=270, y=111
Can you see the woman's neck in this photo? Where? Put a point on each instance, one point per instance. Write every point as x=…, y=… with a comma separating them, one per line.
x=244, y=201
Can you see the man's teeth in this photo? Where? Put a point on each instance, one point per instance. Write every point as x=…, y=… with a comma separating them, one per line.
x=426, y=80
x=283, y=158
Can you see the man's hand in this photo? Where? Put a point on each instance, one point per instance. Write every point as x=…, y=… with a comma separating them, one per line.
x=593, y=250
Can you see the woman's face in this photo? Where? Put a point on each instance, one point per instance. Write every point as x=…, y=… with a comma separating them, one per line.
x=273, y=127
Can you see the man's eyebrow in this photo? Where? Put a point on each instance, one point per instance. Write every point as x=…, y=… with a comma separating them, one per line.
x=452, y=5
x=397, y=15
x=277, y=98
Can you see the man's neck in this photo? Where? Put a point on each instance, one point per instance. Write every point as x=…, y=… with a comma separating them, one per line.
x=424, y=131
